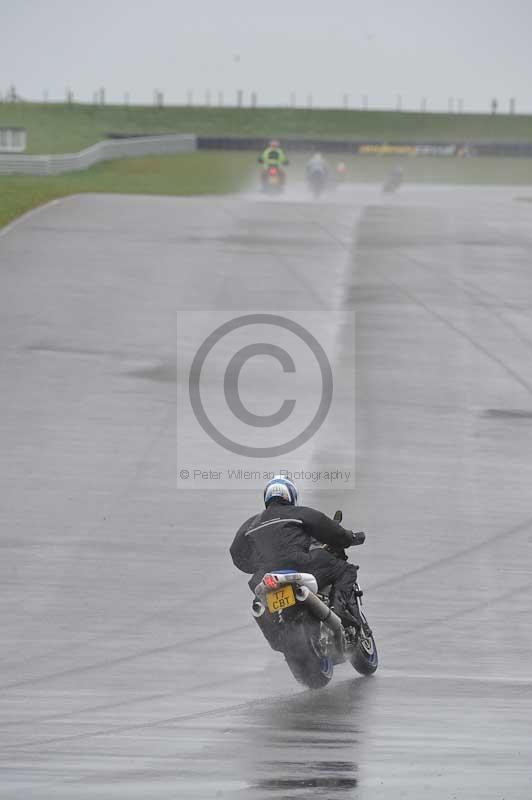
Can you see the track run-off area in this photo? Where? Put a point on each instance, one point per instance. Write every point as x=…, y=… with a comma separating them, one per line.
x=130, y=666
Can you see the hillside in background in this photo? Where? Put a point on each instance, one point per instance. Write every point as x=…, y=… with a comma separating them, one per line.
x=62, y=128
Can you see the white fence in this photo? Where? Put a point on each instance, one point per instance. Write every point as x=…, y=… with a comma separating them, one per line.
x=103, y=151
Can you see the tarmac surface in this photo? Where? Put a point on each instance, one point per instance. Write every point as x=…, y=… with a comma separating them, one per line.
x=130, y=666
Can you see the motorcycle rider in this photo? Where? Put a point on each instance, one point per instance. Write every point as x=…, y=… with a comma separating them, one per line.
x=341, y=171
x=281, y=537
x=273, y=155
x=394, y=179
x=317, y=164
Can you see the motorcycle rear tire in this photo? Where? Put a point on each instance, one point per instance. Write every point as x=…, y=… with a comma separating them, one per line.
x=305, y=662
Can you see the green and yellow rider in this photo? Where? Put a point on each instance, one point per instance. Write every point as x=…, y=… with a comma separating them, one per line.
x=273, y=155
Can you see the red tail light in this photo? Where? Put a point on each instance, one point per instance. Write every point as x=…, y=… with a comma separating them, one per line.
x=272, y=171
x=270, y=582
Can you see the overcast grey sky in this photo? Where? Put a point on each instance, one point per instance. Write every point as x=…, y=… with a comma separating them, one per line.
x=473, y=50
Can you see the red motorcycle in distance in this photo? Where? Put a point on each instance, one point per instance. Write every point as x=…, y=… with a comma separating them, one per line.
x=272, y=179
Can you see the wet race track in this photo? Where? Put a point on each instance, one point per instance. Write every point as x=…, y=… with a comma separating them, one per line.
x=130, y=666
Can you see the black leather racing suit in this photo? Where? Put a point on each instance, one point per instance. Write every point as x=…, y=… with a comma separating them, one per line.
x=280, y=538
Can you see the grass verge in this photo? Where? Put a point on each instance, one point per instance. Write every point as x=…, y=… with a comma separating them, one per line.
x=183, y=174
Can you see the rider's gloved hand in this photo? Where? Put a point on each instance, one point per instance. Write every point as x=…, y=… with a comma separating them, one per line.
x=337, y=552
x=358, y=538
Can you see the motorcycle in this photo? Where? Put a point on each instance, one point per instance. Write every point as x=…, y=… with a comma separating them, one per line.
x=340, y=173
x=300, y=621
x=272, y=180
x=393, y=180
x=317, y=182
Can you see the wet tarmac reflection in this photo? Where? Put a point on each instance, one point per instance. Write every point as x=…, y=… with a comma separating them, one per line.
x=309, y=743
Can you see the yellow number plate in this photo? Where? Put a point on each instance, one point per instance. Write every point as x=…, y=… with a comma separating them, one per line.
x=282, y=598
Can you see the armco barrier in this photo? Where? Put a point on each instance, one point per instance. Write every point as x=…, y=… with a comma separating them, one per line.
x=381, y=147
x=258, y=143
x=103, y=151
x=183, y=143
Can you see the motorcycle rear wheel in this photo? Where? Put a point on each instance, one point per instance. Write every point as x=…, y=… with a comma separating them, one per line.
x=301, y=652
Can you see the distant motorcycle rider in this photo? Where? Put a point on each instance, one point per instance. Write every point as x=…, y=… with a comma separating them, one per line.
x=317, y=164
x=273, y=155
x=394, y=179
x=281, y=538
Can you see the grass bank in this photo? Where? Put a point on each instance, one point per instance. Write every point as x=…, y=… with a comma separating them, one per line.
x=64, y=128
x=183, y=174
x=215, y=172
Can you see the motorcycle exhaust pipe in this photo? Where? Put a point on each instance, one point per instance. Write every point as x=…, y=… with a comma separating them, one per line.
x=318, y=608
x=257, y=608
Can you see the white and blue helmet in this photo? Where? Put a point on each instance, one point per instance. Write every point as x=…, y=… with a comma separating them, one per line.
x=281, y=488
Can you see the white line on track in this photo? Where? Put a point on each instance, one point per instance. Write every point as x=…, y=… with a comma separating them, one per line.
x=29, y=214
